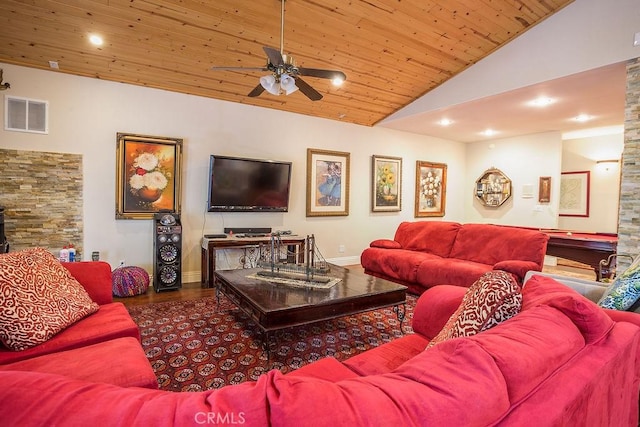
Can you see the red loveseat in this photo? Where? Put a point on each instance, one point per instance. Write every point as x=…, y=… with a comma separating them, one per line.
x=102, y=347
x=427, y=253
x=562, y=361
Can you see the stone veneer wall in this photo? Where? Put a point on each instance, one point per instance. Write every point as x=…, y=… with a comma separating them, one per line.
x=629, y=215
x=42, y=196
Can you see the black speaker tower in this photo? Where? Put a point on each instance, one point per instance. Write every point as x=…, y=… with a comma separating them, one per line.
x=167, y=252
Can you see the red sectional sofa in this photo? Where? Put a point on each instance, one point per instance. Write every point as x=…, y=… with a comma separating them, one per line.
x=102, y=347
x=423, y=254
x=562, y=361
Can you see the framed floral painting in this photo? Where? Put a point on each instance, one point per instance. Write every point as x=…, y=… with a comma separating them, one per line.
x=327, y=183
x=148, y=171
x=386, y=184
x=431, y=188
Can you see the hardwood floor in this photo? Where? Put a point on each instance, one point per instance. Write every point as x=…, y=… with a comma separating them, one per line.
x=188, y=291
x=195, y=290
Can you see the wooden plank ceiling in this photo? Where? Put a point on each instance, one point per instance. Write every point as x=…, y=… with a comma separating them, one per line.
x=392, y=51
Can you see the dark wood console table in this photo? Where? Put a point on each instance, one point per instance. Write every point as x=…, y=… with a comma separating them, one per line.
x=295, y=251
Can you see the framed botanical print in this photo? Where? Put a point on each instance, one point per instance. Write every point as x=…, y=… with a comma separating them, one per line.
x=327, y=183
x=574, y=194
x=431, y=189
x=386, y=184
x=148, y=171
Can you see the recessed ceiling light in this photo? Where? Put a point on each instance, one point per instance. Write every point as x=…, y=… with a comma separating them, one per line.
x=96, y=40
x=445, y=122
x=582, y=118
x=542, y=101
x=489, y=132
x=54, y=65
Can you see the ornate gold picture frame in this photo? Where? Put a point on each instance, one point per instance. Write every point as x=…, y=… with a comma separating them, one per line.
x=431, y=189
x=148, y=175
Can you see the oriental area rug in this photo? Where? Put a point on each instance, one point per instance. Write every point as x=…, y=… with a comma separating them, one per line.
x=197, y=345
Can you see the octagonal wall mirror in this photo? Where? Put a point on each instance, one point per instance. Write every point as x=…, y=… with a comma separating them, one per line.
x=493, y=188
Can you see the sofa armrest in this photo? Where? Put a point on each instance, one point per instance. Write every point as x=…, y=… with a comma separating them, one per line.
x=434, y=307
x=385, y=244
x=95, y=277
x=516, y=267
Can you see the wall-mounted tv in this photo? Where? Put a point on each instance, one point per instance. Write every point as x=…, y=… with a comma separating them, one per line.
x=248, y=185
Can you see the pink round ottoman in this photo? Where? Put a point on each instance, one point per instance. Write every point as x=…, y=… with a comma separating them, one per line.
x=129, y=281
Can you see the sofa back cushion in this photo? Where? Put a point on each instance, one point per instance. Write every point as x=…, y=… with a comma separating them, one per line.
x=434, y=237
x=592, y=321
x=489, y=244
x=530, y=347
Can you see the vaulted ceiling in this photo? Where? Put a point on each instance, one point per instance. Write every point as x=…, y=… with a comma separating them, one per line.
x=392, y=51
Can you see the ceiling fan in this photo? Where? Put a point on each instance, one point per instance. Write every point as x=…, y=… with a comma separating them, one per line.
x=285, y=75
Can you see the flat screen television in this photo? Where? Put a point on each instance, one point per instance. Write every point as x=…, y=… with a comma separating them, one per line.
x=248, y=185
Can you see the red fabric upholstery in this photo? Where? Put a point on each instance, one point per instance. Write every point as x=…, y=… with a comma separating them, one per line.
x=490, y=244
x=109, y=322
x=402, y=266
x=385, y=244
x=592, y=321
x=387, y=357
x=430, y=253
x=120, y=361
x=437, y=238
x=526, y=358
x=434, y=307
x=328, y=369
x=450, y=271
x=95, y=277
x=559, y=362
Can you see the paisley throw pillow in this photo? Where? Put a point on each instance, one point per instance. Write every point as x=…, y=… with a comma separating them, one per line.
x=492, y=299
x=625, y=289
x=38, y=298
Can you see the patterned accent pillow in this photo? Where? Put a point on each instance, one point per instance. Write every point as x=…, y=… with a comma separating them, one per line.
x=492, y=299
x=625, y=289
x=38, y=298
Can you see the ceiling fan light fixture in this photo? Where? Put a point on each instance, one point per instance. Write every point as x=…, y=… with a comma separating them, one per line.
x=270, y=84
x=337, y=81
x=288, y=83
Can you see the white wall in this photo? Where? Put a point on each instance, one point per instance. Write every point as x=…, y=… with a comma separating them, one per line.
x=582, y=154
x=524, y=160
x=86, y=114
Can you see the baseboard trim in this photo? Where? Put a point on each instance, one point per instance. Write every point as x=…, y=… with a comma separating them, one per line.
x=347, y=260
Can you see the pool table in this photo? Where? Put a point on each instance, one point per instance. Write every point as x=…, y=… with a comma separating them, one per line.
x=587, y=248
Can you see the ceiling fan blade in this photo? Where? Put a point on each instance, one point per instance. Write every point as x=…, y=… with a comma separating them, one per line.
x=323, y=74
x=274, y=55
x=310, y=92
x=256, y=91
x=239, y=69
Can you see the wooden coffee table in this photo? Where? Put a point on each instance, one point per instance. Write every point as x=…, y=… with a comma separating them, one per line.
x=276, y=306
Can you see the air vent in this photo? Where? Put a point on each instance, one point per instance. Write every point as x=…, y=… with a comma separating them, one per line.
x=26, y=115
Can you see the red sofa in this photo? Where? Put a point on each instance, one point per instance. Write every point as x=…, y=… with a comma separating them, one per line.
x=102, y=347
x=562, y=361
x=427, y=253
